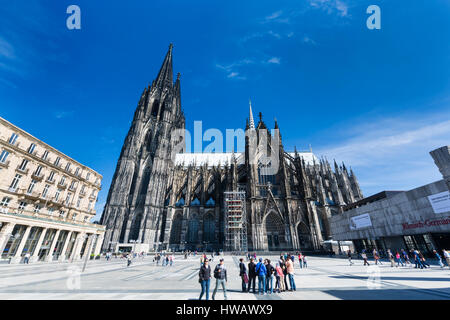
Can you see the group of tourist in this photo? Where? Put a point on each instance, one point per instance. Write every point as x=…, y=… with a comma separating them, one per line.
x=403, y=258
x=167, y=259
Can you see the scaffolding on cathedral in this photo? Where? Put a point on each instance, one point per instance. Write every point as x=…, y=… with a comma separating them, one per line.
x=235, y=221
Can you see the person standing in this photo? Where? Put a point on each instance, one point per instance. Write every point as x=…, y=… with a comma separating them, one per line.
x=251, y=275
x=285, y=276
x=220, y=273
x=243, y=274
x=391, y=257
x=280, y=278
x=128, y=260
x=349, y=255
x=27, y=258
x=270, y=275
x=300, y=260
x=261, y=271
x=205, y=279
x=171, y=259
x=305, y=262
x=376, y=257
x=399, y=259
x=290, y=272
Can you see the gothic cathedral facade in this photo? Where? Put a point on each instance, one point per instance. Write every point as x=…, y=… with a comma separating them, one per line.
x=177, y=203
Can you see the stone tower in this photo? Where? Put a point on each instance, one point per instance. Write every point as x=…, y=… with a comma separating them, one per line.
x=136, y=198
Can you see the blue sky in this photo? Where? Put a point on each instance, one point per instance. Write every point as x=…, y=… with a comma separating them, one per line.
x=376, y=99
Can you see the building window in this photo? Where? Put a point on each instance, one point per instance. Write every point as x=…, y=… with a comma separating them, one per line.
x=85, y=219
x=3, y=156
x=82, y=189
x=51, y=176
x=23, y=165
x=45, y=155
x=77, y=172
x=78, y=202
x=58, y=192
x=5, y=202
x=38, y=170
x=31, y=148
x=74, y=216
x=88, y=175
x=15, y=182
x=50, y=211
x=67, y=166
x=37, y=208
x=44, y=193
x=31, y=186
x=57, y=161
x=63, y=179
x=61, y=213
x=68, y=198
x=22, y=205
x=72, y=185
x=90, y=206
x=12, y=140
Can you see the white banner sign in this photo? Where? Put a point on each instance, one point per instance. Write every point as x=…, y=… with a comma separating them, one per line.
x=360, y=221
x=440, y=202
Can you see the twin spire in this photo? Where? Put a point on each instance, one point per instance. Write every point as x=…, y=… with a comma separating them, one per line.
x=252, y=122
x=166, y=72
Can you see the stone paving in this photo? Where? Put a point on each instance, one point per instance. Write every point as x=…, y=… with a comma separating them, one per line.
x=325, y=278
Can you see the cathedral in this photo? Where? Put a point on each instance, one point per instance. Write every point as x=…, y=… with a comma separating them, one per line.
x=180, y=202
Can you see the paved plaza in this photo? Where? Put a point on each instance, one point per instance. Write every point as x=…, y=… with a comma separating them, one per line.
x=325, y=278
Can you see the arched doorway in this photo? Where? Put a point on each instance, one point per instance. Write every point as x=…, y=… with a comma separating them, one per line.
x=304, y=237
x=209, y=228
x=175, y=232
x=192, y=235
x=275, y=232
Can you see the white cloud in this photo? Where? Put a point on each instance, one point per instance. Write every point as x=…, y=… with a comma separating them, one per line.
x=331, y=6
x=274, y=60
x=274, y=15
x=392, y=154
x=308, y=40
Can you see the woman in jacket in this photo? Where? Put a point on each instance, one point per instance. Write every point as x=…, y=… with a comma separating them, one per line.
x=205, y=279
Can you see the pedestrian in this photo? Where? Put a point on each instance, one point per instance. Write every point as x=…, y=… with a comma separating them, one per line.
x=269, y=276
x=406, y=257
x=364, y=256
x=171, y=259
x=446, y=257
x=243, y=274
x=204, y=279
x=220, y=273
x=283, y=268
x=399, y=259
x=27, y=258
x=376, y=257
x=300, y=260
x=251, y=275
x=423, y=260
x=438, y=256
x=261, y=271
x=280, y=278
x=418, y=263
x=128, y=260
x=349, y=255
x=391, y=257
x=305, y=262
x=290, y=272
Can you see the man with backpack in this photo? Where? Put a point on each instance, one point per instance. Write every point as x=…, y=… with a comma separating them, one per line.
x=220, y=273
x=261, y=271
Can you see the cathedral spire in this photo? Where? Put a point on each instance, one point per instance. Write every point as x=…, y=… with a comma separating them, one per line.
x=252, y=122
x=165, y=74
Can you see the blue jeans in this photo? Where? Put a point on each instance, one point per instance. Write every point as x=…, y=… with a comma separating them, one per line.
x=301, y=265
x=269, y=281
x=205, y=288
x=292, y=282
x=220, y=282
x=261, y=284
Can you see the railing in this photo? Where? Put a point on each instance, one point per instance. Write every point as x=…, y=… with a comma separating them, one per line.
x=37, y=176
x=4, y=164
x=24, y=171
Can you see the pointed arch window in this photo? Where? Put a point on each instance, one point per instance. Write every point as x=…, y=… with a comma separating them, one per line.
x=155, y=108
x=196, y=202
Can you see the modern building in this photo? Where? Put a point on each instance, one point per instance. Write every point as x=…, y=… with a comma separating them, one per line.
x=418, y=218
x=230, y=201
x=47, y=200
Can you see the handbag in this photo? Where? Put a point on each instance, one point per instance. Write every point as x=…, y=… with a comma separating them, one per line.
x=245, y=278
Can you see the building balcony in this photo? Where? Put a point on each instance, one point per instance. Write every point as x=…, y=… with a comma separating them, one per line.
x=50, y=181
x=4, y=164
x=72, y=188
x=37, y=177
x=82, y=193
x=23, y=193
x=24, y=171
x=62, y=185
x=92, y=197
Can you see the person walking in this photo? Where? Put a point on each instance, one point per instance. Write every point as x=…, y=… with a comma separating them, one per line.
x=220, y=273
x=251, y=275
x=406, y=257
x=391, y=258
x=399, y=259
x=261, y=271
x=300, y=260
x=243, y=274
x=305, y=262
x=418, y=263
x=290, y=272
x=364, y=256
x=446, y=256
x=349, y=255
x=171, y=259
x=128, y=260
x=423, y=260
x=376, y=257
x=280, y=278
x=204, y=279
x=438, y=256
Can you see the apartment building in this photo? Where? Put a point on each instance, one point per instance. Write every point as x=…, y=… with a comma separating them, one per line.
x=47, y=200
